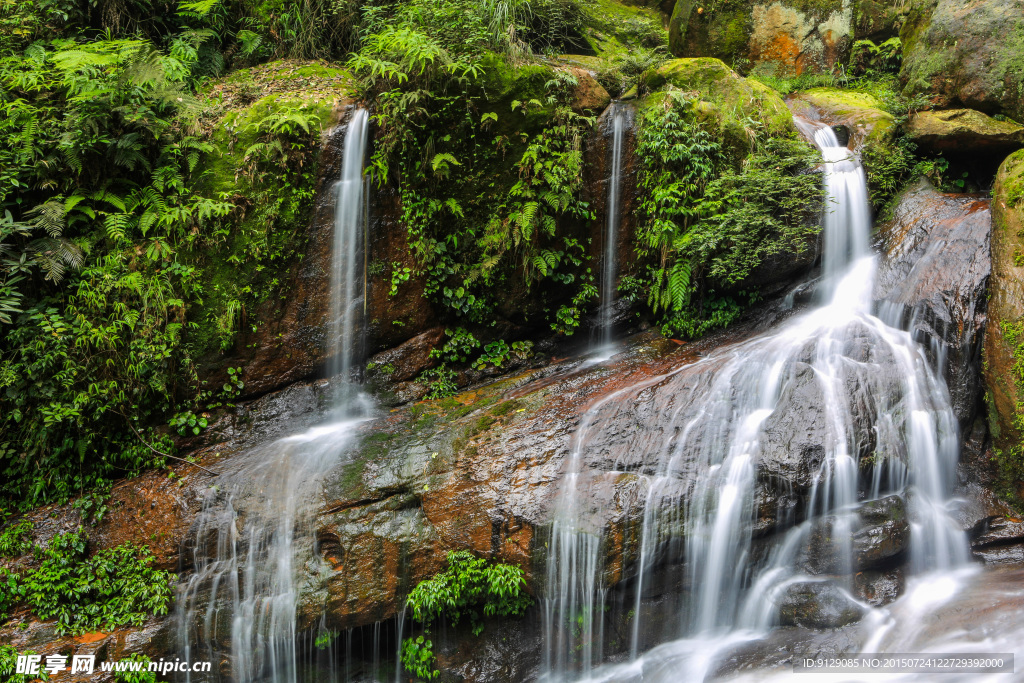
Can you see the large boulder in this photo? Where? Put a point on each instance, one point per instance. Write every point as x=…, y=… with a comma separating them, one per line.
x=785, y=36
x=967, y=54
x=725, y=97
x=1004, y=335
x=964, y=131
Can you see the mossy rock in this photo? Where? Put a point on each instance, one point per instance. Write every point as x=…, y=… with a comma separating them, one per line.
x=966, y=56
x=1004, y=333
x=273, y=217
x=733, y=101
x=614, y=29
x=503, y=85
x=793, y=36
x=860, y=112
x=964, y=131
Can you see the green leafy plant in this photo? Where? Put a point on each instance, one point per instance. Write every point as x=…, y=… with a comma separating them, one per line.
x=440, y=382
x=112, y=588
x=144, y=675
x=707, y=225
x=458, y=347
x=16, y=539
x=92, y=506
x=469, y=587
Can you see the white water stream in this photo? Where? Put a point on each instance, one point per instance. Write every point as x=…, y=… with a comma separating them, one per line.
x=257, y=526
x=703, y=496
x=611, y=233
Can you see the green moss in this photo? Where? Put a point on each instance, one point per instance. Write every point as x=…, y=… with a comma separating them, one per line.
x=854, y=108
x=273, y=211
x=614, y=29
x=737, y=104
x=1013, y=185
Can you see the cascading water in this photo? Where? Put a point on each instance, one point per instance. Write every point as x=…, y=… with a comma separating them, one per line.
x=611, y=233
x=256, y=528
x=844, y=368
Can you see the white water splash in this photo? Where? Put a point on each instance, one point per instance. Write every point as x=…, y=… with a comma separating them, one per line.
x=705, y=486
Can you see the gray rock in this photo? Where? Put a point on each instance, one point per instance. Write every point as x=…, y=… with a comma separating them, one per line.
x=818, y=604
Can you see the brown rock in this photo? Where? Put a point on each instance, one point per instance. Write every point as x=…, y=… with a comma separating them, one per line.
x=966, y=54
x=406, y=361
x=786, y=37
x=589, y=93
x=290, y=342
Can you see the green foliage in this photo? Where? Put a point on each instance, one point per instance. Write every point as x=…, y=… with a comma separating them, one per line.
x=888, y=167
x=16, y=539
x=470, y=586
x=457, y=347
x=97, y=193
x=143, y=676
x=9, y=660
x=440, y=381
x=114, y=587
x=418, y=657
x=706, y=225
x=869, y=59
x=625, y=70
x=92, y=506
x=496, y=231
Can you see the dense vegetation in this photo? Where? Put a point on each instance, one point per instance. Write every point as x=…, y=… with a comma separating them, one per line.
x=110, y=588
x=469, y=587
x=149, y=150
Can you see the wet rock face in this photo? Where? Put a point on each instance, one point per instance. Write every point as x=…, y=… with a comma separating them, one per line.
x=966, y=54
x=881, y=537
x=786, y=36
x=878, y=588
x=884, y=533
x=1006, y=305
x=598, y=170
x=479, y=471
x=818, y=604
x=933, y=276
x=1000, y=541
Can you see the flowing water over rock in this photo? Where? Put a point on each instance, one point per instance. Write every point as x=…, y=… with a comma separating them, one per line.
x=771, y=472
x=256, y=532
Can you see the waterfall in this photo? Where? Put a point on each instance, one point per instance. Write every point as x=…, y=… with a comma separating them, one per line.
x=347, y=263
x=611, y=233
x=838, y=364
x=257, y=524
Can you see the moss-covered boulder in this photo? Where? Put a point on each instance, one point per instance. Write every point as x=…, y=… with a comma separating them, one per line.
x=726, y=97
x=787, y=36
x=966, y=54
x=1004, y=334
x=615, y=29
x=965, y=131
x=859, y=112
